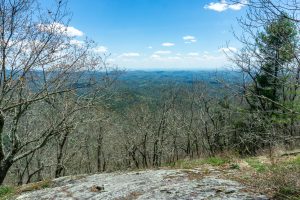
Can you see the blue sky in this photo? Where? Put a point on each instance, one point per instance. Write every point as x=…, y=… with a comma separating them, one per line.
x=159, y=34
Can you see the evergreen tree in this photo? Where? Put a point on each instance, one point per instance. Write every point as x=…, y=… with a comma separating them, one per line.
x=276, y=46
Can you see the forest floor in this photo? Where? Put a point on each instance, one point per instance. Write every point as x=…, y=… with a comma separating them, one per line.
x=212, y=178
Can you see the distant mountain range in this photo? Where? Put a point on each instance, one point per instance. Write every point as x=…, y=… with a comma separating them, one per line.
x=136, y=86
x=140, y=78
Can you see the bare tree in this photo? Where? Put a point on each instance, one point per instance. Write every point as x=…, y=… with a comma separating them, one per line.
x=39, y=60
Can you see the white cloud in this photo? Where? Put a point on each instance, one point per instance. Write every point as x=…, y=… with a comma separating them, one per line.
x=219, y=7
x=77, y=42
x=150, y=47
x=237, y=6
x=224, y=5
x=174, y=58
x=164, y=59
x=167, y=44
x=192, y=60
x=193, y=54
x=227, y=49
x=100, y=49
x=130, y=55
x=155, y=56
x=162, y=52
x=59, y=28
x=189, y=39
x=71, y=31
x=111, y=60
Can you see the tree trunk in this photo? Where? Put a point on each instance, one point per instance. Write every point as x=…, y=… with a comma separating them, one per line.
x=99, y=150
x=61, y=146
x=4, y=167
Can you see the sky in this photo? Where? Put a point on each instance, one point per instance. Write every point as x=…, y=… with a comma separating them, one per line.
x=158, y=34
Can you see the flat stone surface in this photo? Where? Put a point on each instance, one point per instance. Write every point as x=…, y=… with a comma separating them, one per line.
x=150, y=184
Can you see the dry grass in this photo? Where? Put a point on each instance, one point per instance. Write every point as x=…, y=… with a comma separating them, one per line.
x=35, y=186
x=282, y=178
x=8, y=192
x=279, y=180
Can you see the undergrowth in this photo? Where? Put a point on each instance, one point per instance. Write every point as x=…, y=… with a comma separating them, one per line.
x=193, y=163
x=6, y=192
x=282, y=179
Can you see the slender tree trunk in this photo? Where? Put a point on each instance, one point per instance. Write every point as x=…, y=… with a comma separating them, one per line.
x=144, y=154
x=4, y=167
x=5, y=163
x=39, y=173
x=99, y=150
x=104, y=163
x=155, y=153
x=59, y=165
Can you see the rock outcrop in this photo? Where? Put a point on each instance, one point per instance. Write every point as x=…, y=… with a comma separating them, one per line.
x=150, y=184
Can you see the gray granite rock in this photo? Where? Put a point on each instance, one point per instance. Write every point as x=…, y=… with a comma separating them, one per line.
x=150, y=184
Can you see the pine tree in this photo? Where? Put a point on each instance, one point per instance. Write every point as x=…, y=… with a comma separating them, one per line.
x=276, y=47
